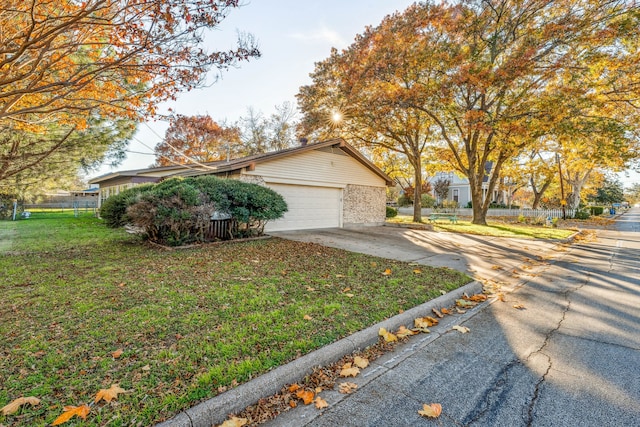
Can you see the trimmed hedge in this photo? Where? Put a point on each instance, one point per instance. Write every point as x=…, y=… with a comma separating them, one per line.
x=391, y=212
x=178, y=211
x=596, y=210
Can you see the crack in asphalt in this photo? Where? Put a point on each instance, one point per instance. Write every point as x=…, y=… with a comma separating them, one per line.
x=492, y=397
x=536, y=391
x=567, y=296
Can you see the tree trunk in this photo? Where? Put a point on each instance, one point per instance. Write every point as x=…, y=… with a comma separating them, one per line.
x=479, y=213
x=577, y=182
x=537, y=195
x=417, y=193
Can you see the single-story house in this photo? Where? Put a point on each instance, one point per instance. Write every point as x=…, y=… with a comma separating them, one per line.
x=325, y=184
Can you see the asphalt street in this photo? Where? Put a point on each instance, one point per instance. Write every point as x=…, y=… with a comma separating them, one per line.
x=568, y=356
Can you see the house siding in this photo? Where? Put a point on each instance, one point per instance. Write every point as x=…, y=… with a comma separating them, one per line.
x=363, y=205
x=318, y=168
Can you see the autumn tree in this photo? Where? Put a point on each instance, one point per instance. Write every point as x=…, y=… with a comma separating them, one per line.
x=347, y=100
x=609, y=192
x=197, y=139
x=68, y=63
x=493, y=76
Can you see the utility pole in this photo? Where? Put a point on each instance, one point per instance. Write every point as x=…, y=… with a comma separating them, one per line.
x=563, y=201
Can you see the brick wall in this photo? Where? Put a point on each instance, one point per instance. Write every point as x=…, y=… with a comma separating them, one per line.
x=363, y=205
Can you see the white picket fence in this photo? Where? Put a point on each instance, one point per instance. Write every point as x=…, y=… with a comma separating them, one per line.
x=528, y=213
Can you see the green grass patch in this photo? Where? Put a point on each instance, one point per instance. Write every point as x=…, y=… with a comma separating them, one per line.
x=189, y=322
x=495, y=229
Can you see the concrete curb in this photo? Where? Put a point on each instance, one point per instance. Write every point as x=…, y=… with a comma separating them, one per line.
x=215, y=410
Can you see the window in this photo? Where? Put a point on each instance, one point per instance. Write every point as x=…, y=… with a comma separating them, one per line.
x=456, y=195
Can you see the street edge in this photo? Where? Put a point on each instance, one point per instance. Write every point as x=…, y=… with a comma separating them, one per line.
x=215, y=410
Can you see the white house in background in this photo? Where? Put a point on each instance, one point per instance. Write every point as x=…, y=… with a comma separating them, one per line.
x=325, y=184
x=460, y=190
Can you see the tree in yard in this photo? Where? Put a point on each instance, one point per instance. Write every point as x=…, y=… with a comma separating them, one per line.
x=347, y=100
x=632, y=193
x=441, y=188
x=197, y=139
x=609, y=192
x=260, y=134
x=486, y=79
x=67, y=64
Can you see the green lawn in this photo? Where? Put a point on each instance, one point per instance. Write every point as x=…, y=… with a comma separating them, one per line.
x=188, y=321
x=495, y=229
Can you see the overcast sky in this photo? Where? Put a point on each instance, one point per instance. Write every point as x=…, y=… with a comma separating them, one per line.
x=292, y=36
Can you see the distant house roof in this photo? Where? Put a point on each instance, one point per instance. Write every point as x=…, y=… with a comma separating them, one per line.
x=248, y=162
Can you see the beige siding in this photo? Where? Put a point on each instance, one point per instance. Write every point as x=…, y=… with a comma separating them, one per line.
x=318, y=167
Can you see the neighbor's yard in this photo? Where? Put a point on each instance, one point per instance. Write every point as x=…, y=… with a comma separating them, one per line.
x=85, y=307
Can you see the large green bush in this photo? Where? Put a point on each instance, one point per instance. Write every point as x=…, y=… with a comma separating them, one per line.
x=178, y=211
x=391, y=212
x=426, y=201
x=596, y=210
x=114, y=210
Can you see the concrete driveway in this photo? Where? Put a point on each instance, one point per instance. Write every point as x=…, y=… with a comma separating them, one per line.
x=480, y=257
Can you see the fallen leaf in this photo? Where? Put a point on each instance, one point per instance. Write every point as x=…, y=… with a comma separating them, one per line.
x=235, y=422
x=307, y=317
x=445, y=311
x=477, y=298
x=496, y=267
x=464, y=303
x=461, y=329
x=388, y=336
x=70, y=412
x=349, y=371
x=460, y=311
x=14, y=405
x=306, y=396
x=417, y=271
x=403, y=332
x=346, y=290
x=293, y=403
x=501, y=297
x=116, y=354
x=387, y=272
x=146, y=368
x=349, y=295
x=437, y=312
x=340, y=276
x=294, y=387
x=374, y=264
x=360, y=362
x=321, y=403
x=347, y=388
x=310, y=289
x=109, y=394
x=519, y=306
x=432, y=410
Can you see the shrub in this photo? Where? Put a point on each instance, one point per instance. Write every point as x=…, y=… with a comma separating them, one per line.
x=469, y=204
x=6, y=206
x=391, y=212
x=596, y=210
x=582, y=215
x=404, y=201
x=427, y=201
x=177, y=211
x=114, y=210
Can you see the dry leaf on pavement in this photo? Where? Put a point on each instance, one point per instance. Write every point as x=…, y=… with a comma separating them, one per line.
x=388, y=336
x=306, y=396
x=349, y=371
x=321, y=403
x=360, y=362
x=347, y=388
x=235, y=422
x=432, y=410
x=403, y=332
x=462, y=329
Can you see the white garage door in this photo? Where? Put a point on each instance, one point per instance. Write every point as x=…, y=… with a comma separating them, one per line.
x=309, y=207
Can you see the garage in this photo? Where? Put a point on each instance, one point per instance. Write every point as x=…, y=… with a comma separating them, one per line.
x=309, y=207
